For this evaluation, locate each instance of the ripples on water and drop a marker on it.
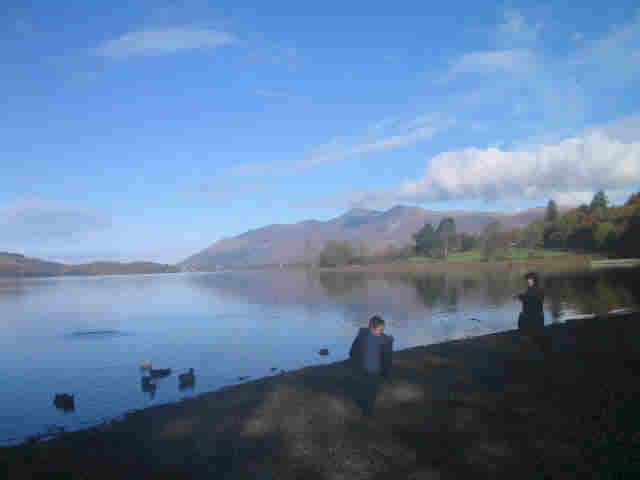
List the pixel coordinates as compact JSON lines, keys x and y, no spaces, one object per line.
{"x":89,"y":336}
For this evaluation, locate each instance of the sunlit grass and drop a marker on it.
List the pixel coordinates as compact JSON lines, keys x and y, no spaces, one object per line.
{"x":477,"y":255}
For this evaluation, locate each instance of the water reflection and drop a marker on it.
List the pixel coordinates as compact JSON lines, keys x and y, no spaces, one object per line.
{"x":596,"y":293}
{"x":401,"y":295}
{"x":338,"y":284}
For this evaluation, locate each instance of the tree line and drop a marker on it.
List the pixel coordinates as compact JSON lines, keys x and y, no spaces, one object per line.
{"x":593,"y":227}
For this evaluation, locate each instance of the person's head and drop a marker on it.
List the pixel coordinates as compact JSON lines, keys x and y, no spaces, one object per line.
{"x":532,"y":278}
{"x":376,"y":325}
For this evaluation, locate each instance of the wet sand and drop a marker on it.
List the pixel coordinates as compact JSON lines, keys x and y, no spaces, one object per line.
{"x":489,"y":407}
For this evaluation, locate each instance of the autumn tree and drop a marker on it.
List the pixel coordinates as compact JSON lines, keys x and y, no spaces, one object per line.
{"x":533,"y":234}
{"x":446,"y":229}
{"x":467,"y":242}
{"x":551,"y":215}
{"x":628,"y":245}
{"x":495,"y":242}
{"x":336,"y":253}
{"x":599,"y":202}
{"x":426,"y":239}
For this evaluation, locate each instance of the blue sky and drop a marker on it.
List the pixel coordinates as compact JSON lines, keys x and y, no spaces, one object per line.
{"x":149,"y":130}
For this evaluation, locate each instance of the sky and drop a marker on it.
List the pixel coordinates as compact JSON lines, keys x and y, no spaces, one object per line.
{"x":149,"y":130}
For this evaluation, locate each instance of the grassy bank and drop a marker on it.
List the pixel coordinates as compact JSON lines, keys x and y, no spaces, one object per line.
{"x":488,"y":407}
{"x":544,"y":261}
{"x":510,"y":255}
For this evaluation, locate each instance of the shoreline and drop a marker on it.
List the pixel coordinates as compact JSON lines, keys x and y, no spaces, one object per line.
{"x":473,"y":405}
{"x":558,"y":265}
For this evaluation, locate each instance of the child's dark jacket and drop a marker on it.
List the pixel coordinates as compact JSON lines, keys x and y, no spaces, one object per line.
{"x":359,"y":344}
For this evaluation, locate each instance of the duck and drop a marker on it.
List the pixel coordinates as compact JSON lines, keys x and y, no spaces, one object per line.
{"x":187,"y":378}
{"x":149,"y":386}
{"x":159,"y":372}
{"x":64,"y":401}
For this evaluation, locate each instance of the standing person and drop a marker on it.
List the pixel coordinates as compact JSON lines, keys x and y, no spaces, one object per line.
{"x":370,"y":355}
{"x":531,"y":319}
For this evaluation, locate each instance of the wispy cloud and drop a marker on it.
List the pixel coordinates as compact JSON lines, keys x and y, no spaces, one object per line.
{"x":218,"y":193}
{"x":384,"y":135}
{"x":39,"y":221}
{"x":267,"y":93}
{"x":517,"y":30}
{"x":513,"y":60}
{"x":618,"y":51}
{"x":164,"y":41}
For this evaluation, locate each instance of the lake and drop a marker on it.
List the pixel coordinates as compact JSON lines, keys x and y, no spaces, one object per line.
{"x":89,"y":335}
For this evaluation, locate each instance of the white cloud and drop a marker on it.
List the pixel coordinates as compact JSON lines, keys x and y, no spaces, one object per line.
{"x":38,"y":221}
{"x":384,"y":135}
{"x":163,"y":42}
{"x":222,"y":193}
{"x":613,"y":59}
{"x":517,"y":60}
{"x":516,"y":29}
{"x":513,"y":52}
{"x":573,"y":198}
{"x":625,"y":129}
{"x":573,"y":165}
{"x":263,"y":92}
{"x":380,"y":145}
{"x":570,"y":171}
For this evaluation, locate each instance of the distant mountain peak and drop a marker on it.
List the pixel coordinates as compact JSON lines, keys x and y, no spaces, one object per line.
{"x":396,"y":209}
{"x":359,"y":212}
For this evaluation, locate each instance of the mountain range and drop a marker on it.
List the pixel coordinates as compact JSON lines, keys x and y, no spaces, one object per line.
{"x":302,"y":242}
{"x":17,"y":265}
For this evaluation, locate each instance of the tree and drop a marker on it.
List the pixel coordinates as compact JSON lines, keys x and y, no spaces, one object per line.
{"x":551,"y":214}
{"x":447,"y":225}
{"x":582,"y":238}
{"x":554,"y":240}
{"x":628,"y":244}
{"x":336,"y":253}
{"x":533,"y":234}
{"x":446,"y":229}
{"x":426,"y":239}
{"x":605,"y":235}
{"x":552,"y":237}
{"x":599,"y":202}
{"x":467,"y":242}
{"x":495,"y":242}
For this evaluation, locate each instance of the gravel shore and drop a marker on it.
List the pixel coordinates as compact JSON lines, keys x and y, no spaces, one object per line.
{"x":496,"y":406}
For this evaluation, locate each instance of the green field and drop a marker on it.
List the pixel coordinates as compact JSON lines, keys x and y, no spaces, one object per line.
{"x":476,"y":255}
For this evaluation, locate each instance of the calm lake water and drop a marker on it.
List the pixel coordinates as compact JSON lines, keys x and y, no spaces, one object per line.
{"x":89,"y":335}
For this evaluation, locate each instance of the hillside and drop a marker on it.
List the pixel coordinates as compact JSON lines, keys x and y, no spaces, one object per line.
{"x":303,"y":241}
{"x":17,"y":265}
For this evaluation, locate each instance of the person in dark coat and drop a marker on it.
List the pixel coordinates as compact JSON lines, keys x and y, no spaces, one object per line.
{"x":370,"y":356}
{"x":531,"y":319}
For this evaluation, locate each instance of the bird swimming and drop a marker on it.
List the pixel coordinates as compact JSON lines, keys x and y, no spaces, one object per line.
{"x":188,"y":378}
